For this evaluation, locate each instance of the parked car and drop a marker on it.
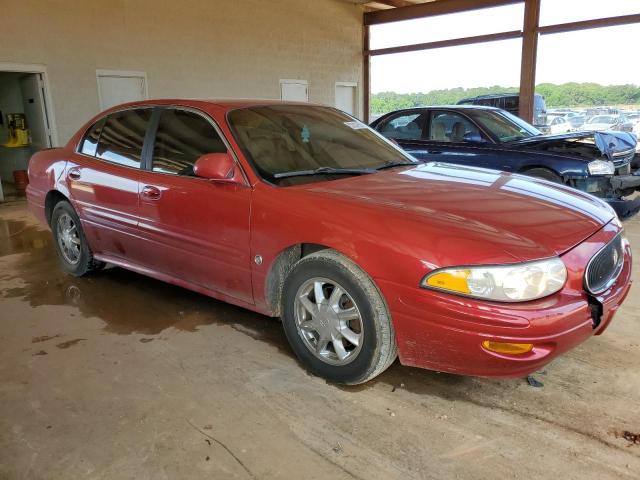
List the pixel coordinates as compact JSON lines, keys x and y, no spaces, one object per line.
{"x":593,"y":111}
{"x":608,"y":122}
{"x":303,"y":212}
{"x":558,"y":124}
{"x":575,"y":119}
{"x":597,"y":163}
{"x":511,"y":103}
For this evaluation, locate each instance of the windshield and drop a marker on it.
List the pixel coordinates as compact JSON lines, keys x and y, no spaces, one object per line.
{"x":278,"y":139}
{"x":602,"y":119}
{"x":504,"y":126}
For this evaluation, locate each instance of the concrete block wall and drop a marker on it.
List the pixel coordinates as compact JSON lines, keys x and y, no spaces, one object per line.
{"x":188,"y":48}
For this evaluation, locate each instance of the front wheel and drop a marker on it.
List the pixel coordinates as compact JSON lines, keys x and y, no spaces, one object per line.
{"x":336,"y":320}
{"x":544,"y":173}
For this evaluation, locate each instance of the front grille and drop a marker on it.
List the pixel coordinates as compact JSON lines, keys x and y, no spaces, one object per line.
{"x":605,"y":266}
{"x":624,"y":170}
{"x":622,"y":158}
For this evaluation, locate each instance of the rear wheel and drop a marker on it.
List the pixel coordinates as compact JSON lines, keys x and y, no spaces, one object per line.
{"x":336,"y":320}
{"x":71,"y":245}
{"x":545,"y":174}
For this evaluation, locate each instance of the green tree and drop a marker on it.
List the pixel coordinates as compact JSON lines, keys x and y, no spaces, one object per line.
{"x":565,"y":95}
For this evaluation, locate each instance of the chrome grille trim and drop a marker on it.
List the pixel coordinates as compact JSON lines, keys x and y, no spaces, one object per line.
{"x":605,"y":275}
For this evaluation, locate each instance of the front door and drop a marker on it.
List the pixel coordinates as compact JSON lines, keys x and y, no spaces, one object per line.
{"x":196,"y":230}
{"x":452,"y":138}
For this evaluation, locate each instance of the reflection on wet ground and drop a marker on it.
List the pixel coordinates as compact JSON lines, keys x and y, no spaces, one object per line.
{"x":127,"y":302}
{"x":131,"y":303}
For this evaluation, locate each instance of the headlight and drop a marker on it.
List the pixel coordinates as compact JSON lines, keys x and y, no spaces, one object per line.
{"x":508,"y":283}
{"x":601,"y":167}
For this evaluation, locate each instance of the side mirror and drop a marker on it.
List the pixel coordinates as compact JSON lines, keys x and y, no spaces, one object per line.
{"x":216,"y":166}
{"x":473,"y":137}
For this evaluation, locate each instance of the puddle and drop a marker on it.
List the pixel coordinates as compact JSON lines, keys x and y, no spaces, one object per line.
{"x":127,"y":302}
{"x":17,"y":237}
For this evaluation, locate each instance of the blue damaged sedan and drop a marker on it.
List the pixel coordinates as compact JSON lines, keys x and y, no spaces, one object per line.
{"x":599,"y":163}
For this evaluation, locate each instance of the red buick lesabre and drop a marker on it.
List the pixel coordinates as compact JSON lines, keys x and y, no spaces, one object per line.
{"x":303,"y":212}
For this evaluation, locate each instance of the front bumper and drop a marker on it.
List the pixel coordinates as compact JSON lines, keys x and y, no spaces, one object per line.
{"x":624,"y":182}
{"x":444,"y":332}
{"x":612,"y":189}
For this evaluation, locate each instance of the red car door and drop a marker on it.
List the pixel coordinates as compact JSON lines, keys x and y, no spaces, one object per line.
{"x":103,"y":180}
{"x":196,"y":230}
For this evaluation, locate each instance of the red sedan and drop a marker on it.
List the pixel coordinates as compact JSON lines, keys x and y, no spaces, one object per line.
{"x":303,"y":212}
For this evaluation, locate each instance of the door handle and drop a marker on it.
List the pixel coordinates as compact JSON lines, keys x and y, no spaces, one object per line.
{"x":151,"y":193}
{"x":435,"y":151}
{"x":73,"y":174}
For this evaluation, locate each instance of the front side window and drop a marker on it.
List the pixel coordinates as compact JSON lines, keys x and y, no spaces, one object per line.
{"x":504,"y":126}
{"x":404,"y":127}
{"x":452,"y":127}
{"x":282,"y":139}
{"x":122,"y":137}
{"x":183,"y":137}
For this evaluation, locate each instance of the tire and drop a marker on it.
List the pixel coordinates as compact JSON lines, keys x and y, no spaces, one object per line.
{"x":544,"y":174}
{"x":71,"y":244}
{"x":368,"y":341}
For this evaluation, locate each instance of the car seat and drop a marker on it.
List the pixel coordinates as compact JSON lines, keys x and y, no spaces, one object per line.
{"x":457,"y":132}
{"x":438,"y":132}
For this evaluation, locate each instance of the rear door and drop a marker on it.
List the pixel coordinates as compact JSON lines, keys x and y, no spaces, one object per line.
{"x":103,"y":177}
{"x":196,"y":230}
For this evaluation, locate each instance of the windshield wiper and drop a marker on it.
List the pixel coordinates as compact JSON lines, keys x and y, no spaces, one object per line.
{"x":398,"y":163}
{"x":325,"y":171}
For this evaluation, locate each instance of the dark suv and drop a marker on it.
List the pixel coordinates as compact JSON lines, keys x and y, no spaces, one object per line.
{"x":511,"y":103}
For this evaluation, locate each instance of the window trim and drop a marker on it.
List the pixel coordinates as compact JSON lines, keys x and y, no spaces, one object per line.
{"x":402,"y":113}
{"x":153,"y":129}
{"x":104,"y":117}
{"x":149,"y":140}
{"x":462,"y":114}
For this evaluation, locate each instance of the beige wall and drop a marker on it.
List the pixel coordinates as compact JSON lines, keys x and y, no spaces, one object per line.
{"x":188,"y":48}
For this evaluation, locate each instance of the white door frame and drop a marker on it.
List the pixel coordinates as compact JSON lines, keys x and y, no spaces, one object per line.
{"x":123,"y":74}
{"x":357,"y":98}
{"x":48,"y":102}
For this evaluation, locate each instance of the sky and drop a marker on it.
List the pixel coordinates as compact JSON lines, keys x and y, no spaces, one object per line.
{"x":604,"y":55}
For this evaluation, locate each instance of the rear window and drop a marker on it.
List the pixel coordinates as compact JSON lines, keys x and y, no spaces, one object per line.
{"x":122,"y":137}
{"x":90,"y":141}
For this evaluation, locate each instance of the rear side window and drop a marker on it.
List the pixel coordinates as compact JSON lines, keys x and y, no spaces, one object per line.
{"x":90,"y":141}
{"x":183,"y":137}
{"x":404,"y":127}
{"x":511,"y":103}
{"x":122,"y":137}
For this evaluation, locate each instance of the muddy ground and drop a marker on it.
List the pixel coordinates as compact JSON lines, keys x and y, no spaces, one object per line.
{"x":119,"y":376}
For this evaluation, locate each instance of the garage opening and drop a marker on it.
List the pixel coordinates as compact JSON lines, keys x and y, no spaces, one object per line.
{"x":24,"y":127}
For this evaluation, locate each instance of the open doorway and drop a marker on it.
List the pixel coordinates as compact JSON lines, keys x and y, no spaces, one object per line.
{"x":25,"y":123}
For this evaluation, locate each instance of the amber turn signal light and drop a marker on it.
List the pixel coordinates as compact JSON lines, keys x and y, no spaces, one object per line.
{"x":510,"y":348}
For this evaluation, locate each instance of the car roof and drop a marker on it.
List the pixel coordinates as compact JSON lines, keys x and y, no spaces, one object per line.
{"x":446,"y":107}
{"x":227,"y":104}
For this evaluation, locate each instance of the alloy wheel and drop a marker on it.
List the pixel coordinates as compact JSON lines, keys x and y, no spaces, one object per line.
{"x":328,"y":321}
{"x":68,"y":238}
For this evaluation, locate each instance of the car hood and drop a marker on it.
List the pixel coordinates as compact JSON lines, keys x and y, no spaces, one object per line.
{"x":610,"y":144}
{"x":499,"y":217}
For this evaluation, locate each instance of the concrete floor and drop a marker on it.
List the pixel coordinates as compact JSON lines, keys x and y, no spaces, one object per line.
{"x":119,"y":376}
